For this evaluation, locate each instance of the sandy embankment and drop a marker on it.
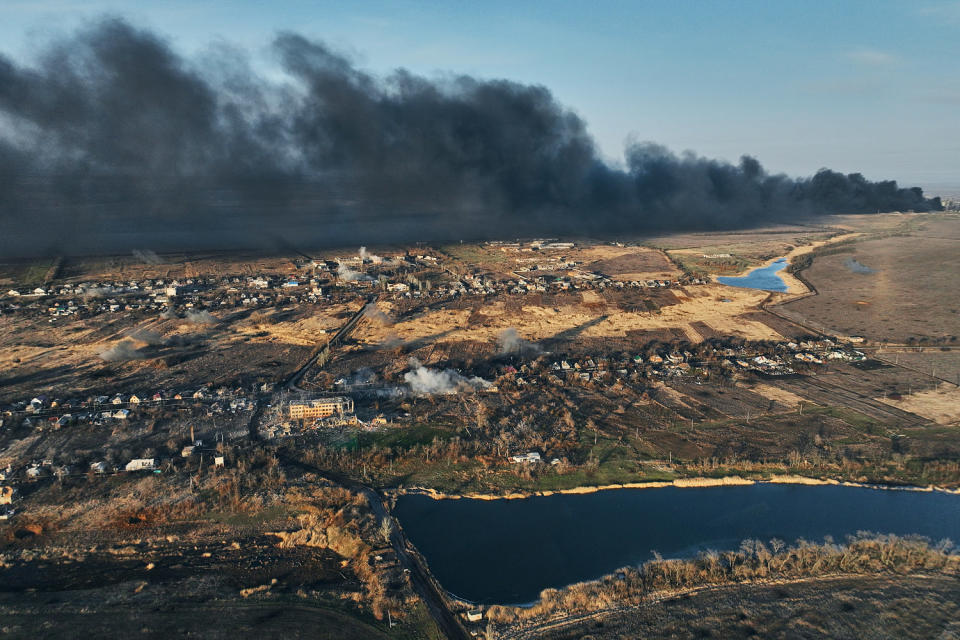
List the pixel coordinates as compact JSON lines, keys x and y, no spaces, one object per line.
{"x":685,"y":483}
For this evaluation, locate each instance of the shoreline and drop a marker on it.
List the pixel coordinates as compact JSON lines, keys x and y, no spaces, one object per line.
{"x":795,"y":286}
{"x":681,"y":483}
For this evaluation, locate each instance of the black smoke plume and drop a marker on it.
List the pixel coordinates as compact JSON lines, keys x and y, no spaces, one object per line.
{"x":111,"y":140}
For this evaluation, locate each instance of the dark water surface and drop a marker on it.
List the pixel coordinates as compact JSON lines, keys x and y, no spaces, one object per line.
{"x":507,"y":551}
{"x":765,"y":278}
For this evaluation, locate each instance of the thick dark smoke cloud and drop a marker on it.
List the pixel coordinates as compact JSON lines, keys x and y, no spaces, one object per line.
{"x":110,"y":141}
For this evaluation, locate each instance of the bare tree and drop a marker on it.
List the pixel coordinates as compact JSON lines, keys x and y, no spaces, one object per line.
{"x":386,"y":530}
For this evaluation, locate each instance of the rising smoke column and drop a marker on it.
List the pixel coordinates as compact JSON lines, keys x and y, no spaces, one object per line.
{"x":509,"y":342}
{"x":111,"y":140}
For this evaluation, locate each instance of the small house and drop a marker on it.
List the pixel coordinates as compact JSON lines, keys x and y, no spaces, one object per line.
{"x":7,"y":495}
{"x":522,"y":458}
{"x":141,"y":464}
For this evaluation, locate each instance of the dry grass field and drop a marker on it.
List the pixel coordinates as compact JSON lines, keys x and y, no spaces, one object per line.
{"x":904,"y":288}
{"x":731,"y":253}
{"x":943,"y":363}
{"x":65,"y":358}
{"x":693,"y":311}
{"x":939,"y":405}
{"x":173,"y":266}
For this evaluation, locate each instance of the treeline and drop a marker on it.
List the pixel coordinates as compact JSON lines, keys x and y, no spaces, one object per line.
{"x":863,"y":554}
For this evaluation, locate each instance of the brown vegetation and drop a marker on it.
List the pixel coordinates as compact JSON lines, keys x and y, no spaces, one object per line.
{"x":755,"y":561}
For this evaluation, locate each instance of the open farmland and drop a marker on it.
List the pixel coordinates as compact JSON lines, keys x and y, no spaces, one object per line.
{"x":79,"y":356}
{"x":888,"y":290}
{"x":941,"y":363}
{"x":583,"y":316}
{"x":142,"y":265}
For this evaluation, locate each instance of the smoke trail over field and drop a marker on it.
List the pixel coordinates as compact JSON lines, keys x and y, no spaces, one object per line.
{"x":374,"y":313}
{"x":855,"y":266}
{"x":200,"y":317}
{"x":147,"y":256}
{"x":110,"y":139}
{"x":121,"y":351}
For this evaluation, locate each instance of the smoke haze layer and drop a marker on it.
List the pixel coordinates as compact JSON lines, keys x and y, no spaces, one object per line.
{"x":111,"y":140}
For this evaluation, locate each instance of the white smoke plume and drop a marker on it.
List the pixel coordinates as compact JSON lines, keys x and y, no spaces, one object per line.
{"x":348,"y":274}
{"x":424,"y":381}
{"x":147,"y":257}
{"x":510,"y":343}
{"x":392,"y":341}
{"x":366,"y":255}
{"x":374,"y":313}
{"x":200,"y":317}
{"x":97,"y":292}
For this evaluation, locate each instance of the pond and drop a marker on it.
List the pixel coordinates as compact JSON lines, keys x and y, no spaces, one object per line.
{"x":764,"y":278}
{"x":507,"y":551}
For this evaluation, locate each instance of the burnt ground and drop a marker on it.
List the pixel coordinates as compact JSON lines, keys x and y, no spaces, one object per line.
{"x":188,"y":585}
{"x":848,"y":608}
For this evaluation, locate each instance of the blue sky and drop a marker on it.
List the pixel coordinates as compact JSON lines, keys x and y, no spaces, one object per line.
{"x":856,"y":86}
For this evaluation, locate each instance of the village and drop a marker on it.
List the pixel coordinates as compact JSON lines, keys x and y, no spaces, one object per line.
{"x":314,"y":281}
{"x":228,"y":415}
{"x":209,"y":392}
